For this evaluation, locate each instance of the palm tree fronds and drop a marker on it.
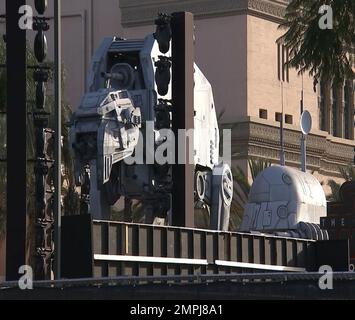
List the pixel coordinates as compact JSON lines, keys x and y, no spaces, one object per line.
{"x":242,"y":188}
{"x":326,"y":54}
{"x":348,"y":174}
{"x":335,"y":187}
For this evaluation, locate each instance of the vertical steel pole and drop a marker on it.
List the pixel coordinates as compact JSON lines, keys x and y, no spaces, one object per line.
{"x":303,"y":138}
{"x":282,"y":145}
{"x":16,"y":141}
{"x":183,"y":116}
{"x":303,"y":153}
{"x":58,"y":137}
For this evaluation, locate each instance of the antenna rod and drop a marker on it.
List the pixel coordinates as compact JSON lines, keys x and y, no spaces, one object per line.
{"x":303,"y":153}
{"x":282,"y":150}
{"x":303,"y":137}
{"x":302,"y":96}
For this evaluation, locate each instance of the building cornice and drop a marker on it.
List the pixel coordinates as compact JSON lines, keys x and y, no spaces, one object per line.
{"x":143,"y":12}
{"x":253,"y":137}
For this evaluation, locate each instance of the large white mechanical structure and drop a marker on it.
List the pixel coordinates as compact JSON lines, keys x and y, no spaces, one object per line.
{"x":114,"y":118}
{"x":286,"y":201}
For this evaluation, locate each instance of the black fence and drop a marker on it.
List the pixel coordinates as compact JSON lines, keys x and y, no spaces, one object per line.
{"x":109,"y":249}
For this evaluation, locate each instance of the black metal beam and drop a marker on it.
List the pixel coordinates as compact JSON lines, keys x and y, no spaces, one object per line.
{"x":58,"y":135}
{"x":16,"y":140}
{"x":183,"y":115}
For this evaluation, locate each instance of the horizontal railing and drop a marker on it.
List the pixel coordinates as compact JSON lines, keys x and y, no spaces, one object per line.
{"x":147,"y":250}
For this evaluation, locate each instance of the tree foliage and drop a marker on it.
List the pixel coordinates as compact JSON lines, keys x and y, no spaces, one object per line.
{"x":242,"y":188}
{"x":327,"y":54}
{"x":348,"y":174}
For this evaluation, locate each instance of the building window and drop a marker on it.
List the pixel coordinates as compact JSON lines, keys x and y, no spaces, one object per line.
{"x":346,"y":111}
{"x":288,"y":119}
{"x":278,"y":116}
{"x":279,"y":61}
{"x":348,"y":118}
{"x":336,"y":109}
{"x":283,"y":72}
{"x":322,"y":107}
{"x":262,"y":113}
{"x":334,"y":112}
{"x":287,"y":60}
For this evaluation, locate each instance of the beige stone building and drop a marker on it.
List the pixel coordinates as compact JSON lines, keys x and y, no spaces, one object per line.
{"x":236,"y":48}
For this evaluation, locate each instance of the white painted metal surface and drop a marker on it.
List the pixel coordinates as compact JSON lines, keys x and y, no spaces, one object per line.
{"x":280,"y":198}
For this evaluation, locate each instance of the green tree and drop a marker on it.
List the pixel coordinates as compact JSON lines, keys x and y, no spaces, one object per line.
{"x":242,"y":189}
{"x":348,"y":174}
{"x":326,"y":53}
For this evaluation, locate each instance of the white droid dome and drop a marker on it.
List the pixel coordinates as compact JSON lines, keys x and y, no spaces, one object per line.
{"x":282,"y":197}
